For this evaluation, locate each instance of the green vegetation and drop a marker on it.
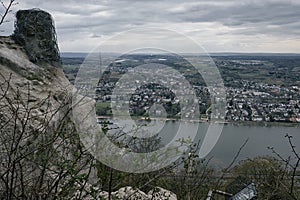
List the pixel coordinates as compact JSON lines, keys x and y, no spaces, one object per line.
{"x":103,"y":109}
{"x":35,"y":77}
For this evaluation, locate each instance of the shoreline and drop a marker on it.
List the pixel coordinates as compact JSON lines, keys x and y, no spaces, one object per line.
{"x":235,"y":123}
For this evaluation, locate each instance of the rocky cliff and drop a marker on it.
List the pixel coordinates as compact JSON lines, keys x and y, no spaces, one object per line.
{"x":41,"y":154}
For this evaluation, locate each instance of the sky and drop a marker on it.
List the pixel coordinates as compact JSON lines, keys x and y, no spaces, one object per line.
{"x":269,"y":26}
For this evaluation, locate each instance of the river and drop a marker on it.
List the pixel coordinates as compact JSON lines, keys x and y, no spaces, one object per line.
{"x":233,"y":136}
{"x":259,"y":139}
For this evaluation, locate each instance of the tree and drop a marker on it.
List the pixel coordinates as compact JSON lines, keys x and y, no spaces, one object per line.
{"x":292,"y":165}
{"x":267,"y":173}
{"x":189,"y":177}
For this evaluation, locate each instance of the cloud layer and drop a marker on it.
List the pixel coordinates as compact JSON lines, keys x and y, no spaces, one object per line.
{"x":240,"y":26}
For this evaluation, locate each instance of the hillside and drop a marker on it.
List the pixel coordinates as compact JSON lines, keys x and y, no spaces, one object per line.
{"x":41,"y":154}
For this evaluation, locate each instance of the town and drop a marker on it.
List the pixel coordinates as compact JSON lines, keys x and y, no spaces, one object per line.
{"x":258,"y":88}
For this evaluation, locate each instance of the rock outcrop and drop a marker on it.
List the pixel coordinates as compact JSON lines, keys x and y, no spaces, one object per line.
{"x":130,"y":193}
{"x":35,"y":31}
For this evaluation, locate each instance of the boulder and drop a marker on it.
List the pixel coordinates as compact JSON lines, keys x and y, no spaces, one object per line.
{"x":130,"y":194}
{"x":159,"y":193}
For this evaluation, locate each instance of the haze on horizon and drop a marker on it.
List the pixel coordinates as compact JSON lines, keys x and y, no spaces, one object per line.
{"x":252,"y":26}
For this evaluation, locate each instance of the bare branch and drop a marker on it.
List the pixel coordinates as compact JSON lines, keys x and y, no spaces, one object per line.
{"x":232,"y":162}
{"x":7,"y":10}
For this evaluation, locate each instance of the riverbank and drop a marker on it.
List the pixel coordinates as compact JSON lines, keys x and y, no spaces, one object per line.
{"x":237,"y":123}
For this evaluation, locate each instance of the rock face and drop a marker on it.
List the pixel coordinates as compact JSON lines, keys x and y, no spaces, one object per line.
{"x":40,"y":152}
{"x":41,"y":156}
{"x":32,"y":96}
{"x":34,"y":29}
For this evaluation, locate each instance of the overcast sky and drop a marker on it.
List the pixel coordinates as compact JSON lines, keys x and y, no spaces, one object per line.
{"x":219,"y":26}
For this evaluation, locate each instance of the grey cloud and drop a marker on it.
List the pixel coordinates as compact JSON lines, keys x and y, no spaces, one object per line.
{"x":107,"y":17}
{"x":255,"y":16}
{"x":127,"y":12}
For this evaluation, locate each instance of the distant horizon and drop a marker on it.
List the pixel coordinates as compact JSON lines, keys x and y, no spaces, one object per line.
{"x":209,"y":53}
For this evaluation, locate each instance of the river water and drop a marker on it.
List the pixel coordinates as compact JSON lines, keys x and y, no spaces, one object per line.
{"x":232,"y":138}
{"x":259,"y":139}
